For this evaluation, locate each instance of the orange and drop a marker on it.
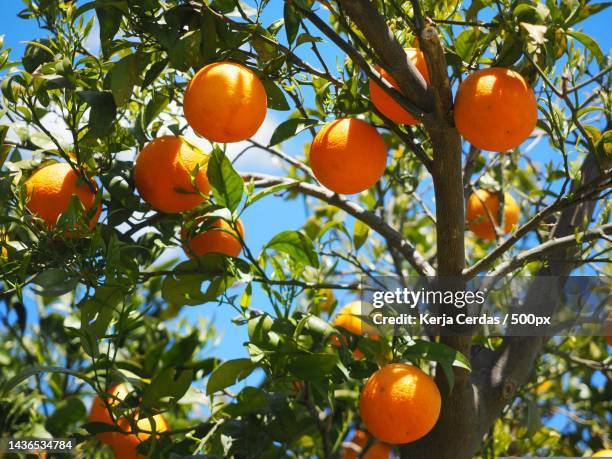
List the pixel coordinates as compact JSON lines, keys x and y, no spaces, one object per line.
{"x":99,"y":411}
{"x":384,"y":102}
{"x":348,"y":156}
{"x":218,"y":237}
{"x":163,"y":174}
{"x":495,"y":109}
{"x":399,"y":403}
{"x":50,"y":190}
{"x":124,"y":444}
{"x":376,"y":450}
{"x":483,"y":208}
{"x":603,"y":453}
{"x":349,"y":319}
{"x":225,"y":102}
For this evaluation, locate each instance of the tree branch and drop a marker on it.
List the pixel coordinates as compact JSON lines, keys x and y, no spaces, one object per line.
{"x":588,"y":191}
{"x":392,"y":236}
{"x":390,"y":52}
{"x":551,"y":245}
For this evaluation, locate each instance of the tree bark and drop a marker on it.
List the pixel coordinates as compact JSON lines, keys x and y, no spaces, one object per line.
{"x":478,"y":398}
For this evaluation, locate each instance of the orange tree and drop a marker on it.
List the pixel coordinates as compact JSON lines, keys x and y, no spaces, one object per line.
{"x":90,"y":302}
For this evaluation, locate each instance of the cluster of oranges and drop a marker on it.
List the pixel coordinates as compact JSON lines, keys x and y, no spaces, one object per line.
{"x":224,"y":102}
{"x":495,"y":109}
{"x":124,"y":439}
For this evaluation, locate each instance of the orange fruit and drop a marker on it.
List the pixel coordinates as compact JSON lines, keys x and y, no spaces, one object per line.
{"x":50,"y":190}
{"x":376,"y":450}
{"x":124,"y":444}
{"x":483,"y":206}
{"x":163,"y":174}
{"x":225,"y":102}
{"x":603,"y":453}
{"x":399,"y":403}
{"x":99,"y":411}
{"x":218,"y":237}
{"x":349,"y":319}
{"x":495,"y":109}
{"x":348,"y":155}
{"x":384,"y":102}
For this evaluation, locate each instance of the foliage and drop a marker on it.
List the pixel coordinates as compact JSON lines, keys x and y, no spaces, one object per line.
{"x":111,"y":306}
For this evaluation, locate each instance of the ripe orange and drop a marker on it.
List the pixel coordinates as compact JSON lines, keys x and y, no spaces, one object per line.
{"x":225,"y":102}
{"x":124,"y":444}
{"x":483,"y":206}
{"x":399,"y":403}
{"x":349,"y":319}
{"x":99,"y":411}
{"x":348,"y":155}
{"x":163,"y":174}
{"x":218,"y":237}
{"x":495,"y":109}
{"x":50,"y":189}
{"x":385,"y":103}
{"x":376,"y":450}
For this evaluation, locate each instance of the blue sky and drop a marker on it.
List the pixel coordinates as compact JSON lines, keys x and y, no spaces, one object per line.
{"x":271,"y":215}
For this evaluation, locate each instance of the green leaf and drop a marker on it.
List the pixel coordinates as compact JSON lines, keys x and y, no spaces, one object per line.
{"x":228,"y":374}
{"x":123,"y":77}
{"x":276,"y":97}
{"x":184,"y":285}
{"x":153,"y":72}
{"x":54,"y":282}
{"x":292,"y":22}
{"x":249,"y":400}
{"x":307,"y":38}
{"x":360,"y":234}
{"x":590,"y":44}
{"x":209,"y":35}
{"x":312,"y":367}
{"x":445,"y":355}
{"x":36,"y":54}
{"x":289,"y":128}
{"x":156,"y":105}
{"x":467,"y":43}
{"x":267,"y":191}
{"x":96,"y":314}
{"x":297,"y":245}
{"x":171,"y":382}
{"x":181,"y":352}
{"x":109,"y":18}
{"x":103,"y":111}
{"x":28,"y":372}
{"x":67,"y":412}
{"x":227,"y":185}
